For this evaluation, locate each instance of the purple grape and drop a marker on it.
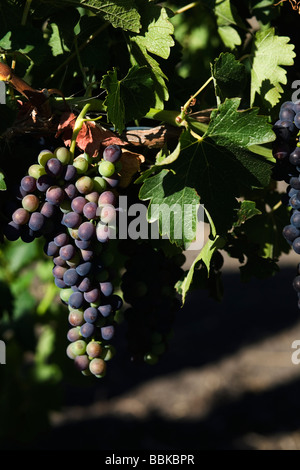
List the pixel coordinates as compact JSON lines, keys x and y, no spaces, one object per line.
{"x":67,"y":252}
{"x":107,"y":332}
{"x":59,"y":261}
{"x":92,"y":296}
{"x":87,"y":255}
{"x":20,"y":216}
{"x":286,"y":114}
{"x":54,"y":167}
{"x":87,"y":330}
{"x":112,"y":153}
{"x":85,"y":285}
{"x":50,"y":249}
{"x":76,"y":318}
{"x":105,"y":310}
{"x":82,"y":362}
{"x":71,"y":191}
{"x":107,"y":197}
{"x":90,"y":210}
{"x":61,"y":239}
{"x":86,"y":231}
{"x":82,"y":244}
{"x":74,"y":334}
{"x":59,"y":271}
{"x":48,"y":210}
{"x":71,"y":277}
{"x":91,"y":314}
{"x":28,"y":184}
{"x":78,"y":204}
{"x":55,"y":195}
{"x":297,"y":120}
{"x":44,"y":182}
{"x":76,"y":300}
{"x":106,"y":288}
{"x":69,"y":173}
{"x":12,"y":231}
{"x":59,"y":283}
{"x":294,"y":157}
{"x":36,"y":221}
{"x":71,"y":220}
{"x":84,"y":268}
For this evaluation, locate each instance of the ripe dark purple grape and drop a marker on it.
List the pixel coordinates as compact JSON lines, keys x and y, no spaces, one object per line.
{"x":76,"y":300}
{"x":87,"y":330}
{"x":105,"y":310}
{"x":295,"y":219}
{"x":28,"y":184}
{"x":36,"y":221}
{"x":74,"y":334}
{"x":44,"y":182}
{"x":78,"y":204}
{"x":67,"y":252}
{"x":85,"y":284}
{"x":59,"y":271}
{"x":112,"y":153}
{"x":107,"y":332}
{"x":90,"y":210}
{"x":21,"y":216}
{"x":82,"y":244}
{"x":69,"y":173}
{"x":12,"y":231}
{"x":297,"y":120}
{"x":86,"y":231}
{"x":286,"y":114}
{"x":48,"y":210}
{"x":72,"y":220}
{"x":294,"y":157}
{"x":290,"y":232}
{"x":50,"y":249}
{"x":92,"y":295}
{"x":106,"y":288}
{"x":71,"y":191}
{"x":83,"y":269}
{"x":54,"y":167}
{"x":296,"y":245}
{"x":296,"y":283}
{"x":61,"y":239}
{"x":91,"y":314}
{"x":55,"y":195}
{"x":71,"y":277}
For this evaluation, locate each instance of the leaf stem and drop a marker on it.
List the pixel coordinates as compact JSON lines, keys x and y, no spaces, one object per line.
{"x":25,"y":12}
{"x":77,"y":127}
{"x":186,"y":7}
{"x":188,"y":103}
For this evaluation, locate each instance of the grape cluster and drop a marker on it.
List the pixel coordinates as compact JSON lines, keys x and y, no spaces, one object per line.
{"x":286,"y":150}
{"x":72,"y":204}
{"x":152,"y":298}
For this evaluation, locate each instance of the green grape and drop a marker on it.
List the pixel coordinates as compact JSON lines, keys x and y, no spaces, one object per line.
{"x":36,"y":171}
{"x":97,"y":367}
{"x":44,"y":156}
{"x":78,"y":347}
{"x":63,"y":155}
{"x":94,"y":349}
{"x":81,"y":165}
{"x":108,"y":353}
{"x":100,"y":184}
{"x":84,"y":185}
{"x":106,"y":168}
{"x":65,"y":294}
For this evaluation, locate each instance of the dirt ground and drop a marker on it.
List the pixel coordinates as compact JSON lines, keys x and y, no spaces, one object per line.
{"x":227,"y":381}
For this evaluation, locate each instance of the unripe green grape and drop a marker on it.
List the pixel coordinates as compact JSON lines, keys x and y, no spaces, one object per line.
{"x":30,"y":202}
{"x":100,"y":184}
{"x":73,"y":233}
{"x":106,"y":168}
{"x":65,"y":294}
{"x":84,"y":184}
{"x":108,"y":352}
{"x":70,"y":353}
{"x":150,"y":358}
{"x":78,"y":347}
{"x":81,"y":165}
{"x":44,"y":156}
{"x":36,"y":171}
{"x":63,"y":155}
{"x":92,"y":197}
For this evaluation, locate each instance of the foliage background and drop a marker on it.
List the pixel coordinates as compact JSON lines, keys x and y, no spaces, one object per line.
{"x":38,"y":378}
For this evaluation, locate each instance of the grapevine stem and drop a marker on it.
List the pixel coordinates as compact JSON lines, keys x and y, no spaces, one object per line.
{"x":25,"y":12}
{"x":187,"y":104}
{"x":186,"y":7}
{"x":77,"y":127}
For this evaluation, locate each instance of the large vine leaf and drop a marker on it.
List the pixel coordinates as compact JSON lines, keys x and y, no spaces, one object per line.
{"x":120,"y":13}
{"x":216,"y":167}
{"x":270,"y":53}
{"x":129,"y":98}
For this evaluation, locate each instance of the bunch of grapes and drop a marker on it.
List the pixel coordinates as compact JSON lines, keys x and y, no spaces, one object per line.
{"x":72,"y":204}
{"x":152,"y":298}
{"x":286,"y":150}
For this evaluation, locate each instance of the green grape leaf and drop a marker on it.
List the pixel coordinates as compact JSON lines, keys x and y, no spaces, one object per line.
{"x":270,"y":53}
{"x":129,"y":98}
{"x":157,"y":31}
{"x":204,"y":255}
{"x":227,"y":17}
{"x":56,"y":42}
{"x":215,"y":168}
{"x":229,"y":76}
{"x":246,"y":211}
{"x":120,"y":13}
{"x":2,"y":182}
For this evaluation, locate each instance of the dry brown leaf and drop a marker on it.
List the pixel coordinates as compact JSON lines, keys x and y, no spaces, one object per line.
{"x":131,"y":163}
